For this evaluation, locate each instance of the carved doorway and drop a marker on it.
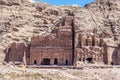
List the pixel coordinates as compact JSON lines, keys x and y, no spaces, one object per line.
{"x":46,"y":61}
{"x":35,"y":62}
{"x":55,"y":61}
{"x":66,"y":62}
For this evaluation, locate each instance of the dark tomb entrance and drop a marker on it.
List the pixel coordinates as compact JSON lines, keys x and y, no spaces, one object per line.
{"x":66,"y":62}
{"x":111,"y":63}
{"x":46,"y":61}
{"x":89,"y":59}
{"x":35,"y":62}
{"x":83,"y":59}
{"x":80,"y":59}
{"x":55,"y":61}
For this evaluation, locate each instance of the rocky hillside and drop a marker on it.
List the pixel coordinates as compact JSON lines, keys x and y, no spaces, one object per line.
{"x":100,"y":18}
{"x":21,"y":19}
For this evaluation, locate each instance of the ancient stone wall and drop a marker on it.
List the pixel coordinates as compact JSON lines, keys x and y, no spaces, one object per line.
{"x":15,"y":52}
{"x":51,"y":54}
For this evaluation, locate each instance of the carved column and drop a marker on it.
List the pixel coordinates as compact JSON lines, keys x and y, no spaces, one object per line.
{"x":24,"y":58}
{"x":89,"y":41}
{"x":84,"y":40}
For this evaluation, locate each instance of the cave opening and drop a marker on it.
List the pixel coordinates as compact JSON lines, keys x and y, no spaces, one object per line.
{"x":89,"y":59}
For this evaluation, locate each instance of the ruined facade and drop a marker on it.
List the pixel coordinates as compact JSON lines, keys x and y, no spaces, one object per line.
{"x":52,"y":49}
{"x":15,"y":52}
{"x":88,"y":48}
{"x":65,"y":46}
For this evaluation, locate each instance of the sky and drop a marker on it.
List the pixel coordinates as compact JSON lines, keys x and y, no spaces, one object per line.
{"x":67,"y":2}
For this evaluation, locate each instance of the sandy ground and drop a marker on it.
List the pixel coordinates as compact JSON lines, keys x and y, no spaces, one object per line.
{"x":21,"y":73}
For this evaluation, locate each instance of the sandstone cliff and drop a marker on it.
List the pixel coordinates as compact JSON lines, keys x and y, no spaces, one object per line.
{"x":19,"y":20}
